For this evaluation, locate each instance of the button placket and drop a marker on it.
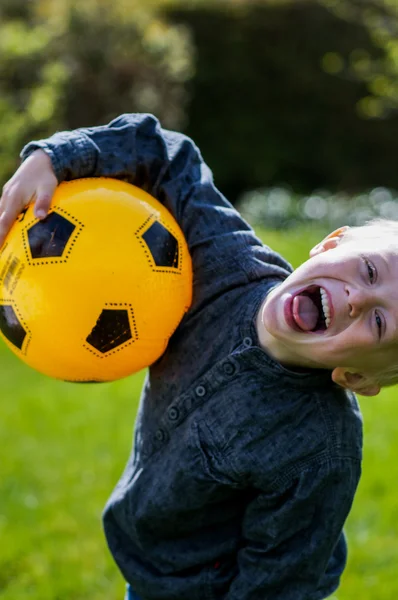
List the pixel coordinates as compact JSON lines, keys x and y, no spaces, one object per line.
{"x":247,"y":341}
{"x":160,"y":435}
{"x":229,"y":368}
{"x":200,"y":391}
{"x":173,"y":413}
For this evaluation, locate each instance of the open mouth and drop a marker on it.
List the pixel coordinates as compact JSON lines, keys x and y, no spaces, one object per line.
{"x":311,"y":310}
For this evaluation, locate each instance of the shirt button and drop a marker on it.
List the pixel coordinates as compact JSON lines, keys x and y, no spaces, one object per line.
{"x":173,"y":413}
{"x":247,"y":342}
{"x":160,"y":435}
{"x":228,"y":368}
{"x":200,"y":390}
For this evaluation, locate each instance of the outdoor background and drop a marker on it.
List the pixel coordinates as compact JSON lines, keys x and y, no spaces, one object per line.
{"x":294,"y":105}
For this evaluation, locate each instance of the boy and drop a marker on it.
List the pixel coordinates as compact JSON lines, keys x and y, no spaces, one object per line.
{"x":247,"y":447}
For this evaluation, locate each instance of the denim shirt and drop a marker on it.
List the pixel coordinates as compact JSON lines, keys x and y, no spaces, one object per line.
{"x":242,"y":472}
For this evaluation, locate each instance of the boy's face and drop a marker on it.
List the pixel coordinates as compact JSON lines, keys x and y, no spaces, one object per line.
{"x":338,"y":309}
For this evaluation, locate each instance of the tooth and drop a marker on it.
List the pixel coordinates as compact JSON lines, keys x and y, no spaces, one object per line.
{"x":325,"y":307}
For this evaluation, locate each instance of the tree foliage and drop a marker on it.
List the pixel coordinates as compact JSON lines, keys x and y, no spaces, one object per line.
{"x":296,"y":91}
{"x":380,"y":19}
{"x":69,"y":64}
{"x":283,"y":95}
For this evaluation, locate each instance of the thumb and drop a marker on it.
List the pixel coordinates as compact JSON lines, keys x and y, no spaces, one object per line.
{"x":44,"y":196}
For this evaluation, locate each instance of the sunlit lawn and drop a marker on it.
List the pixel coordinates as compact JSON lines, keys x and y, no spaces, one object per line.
{"x":64,"y":447}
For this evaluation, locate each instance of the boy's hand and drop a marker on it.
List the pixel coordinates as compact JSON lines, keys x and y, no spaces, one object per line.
{"x":34,"y":181}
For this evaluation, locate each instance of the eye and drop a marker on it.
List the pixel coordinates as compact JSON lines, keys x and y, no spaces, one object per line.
{"x":379,"y":324}
{"x":371,"y":270}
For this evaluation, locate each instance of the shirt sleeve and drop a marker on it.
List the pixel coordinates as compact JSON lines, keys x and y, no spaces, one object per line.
{"x":168,"y":165}
{"x":294,"y":547}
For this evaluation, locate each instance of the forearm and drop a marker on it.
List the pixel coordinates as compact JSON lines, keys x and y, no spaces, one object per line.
{"x":166,"y":164}
{"x":169,"y":166}
{"x":132,"y":147}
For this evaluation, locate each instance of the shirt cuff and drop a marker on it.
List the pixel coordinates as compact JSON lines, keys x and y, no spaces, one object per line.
{"x":72,"y":154}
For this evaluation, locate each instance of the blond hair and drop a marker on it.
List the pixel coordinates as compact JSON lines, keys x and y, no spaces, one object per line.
{"x":379,"y":228}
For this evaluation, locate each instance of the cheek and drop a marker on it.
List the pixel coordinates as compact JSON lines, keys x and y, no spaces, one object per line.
{"x":325,"y":265}
{"x":359,"y":355}
{"x":349,"y":348}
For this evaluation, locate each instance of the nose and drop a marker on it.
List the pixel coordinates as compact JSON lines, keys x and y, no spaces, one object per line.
{"x":359,"y":299}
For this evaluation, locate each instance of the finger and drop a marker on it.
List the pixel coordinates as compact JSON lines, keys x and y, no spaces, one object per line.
{"x":12,"y":200}
{"x":43,"y":200}
{"x":2,"y":205}
{"x":10,"y":209}
{"x":3,"y":200}
{"x":7,"y":220}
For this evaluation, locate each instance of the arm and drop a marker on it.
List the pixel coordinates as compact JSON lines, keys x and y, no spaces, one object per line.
{"x":169,"y":166}
{"x":135,"y":148}
{"x":294,"y":548}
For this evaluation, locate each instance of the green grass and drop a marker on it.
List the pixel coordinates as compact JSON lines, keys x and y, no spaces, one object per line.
{"x":64,"y":447}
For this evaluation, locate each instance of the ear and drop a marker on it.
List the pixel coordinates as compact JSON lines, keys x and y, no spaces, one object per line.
{"x":330,"y":241}
{"x":356,"y":382}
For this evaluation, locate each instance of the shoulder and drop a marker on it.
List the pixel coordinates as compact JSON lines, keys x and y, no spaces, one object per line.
{"x":268,"y":432}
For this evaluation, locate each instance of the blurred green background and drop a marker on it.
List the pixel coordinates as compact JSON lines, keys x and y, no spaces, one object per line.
{"x":294,"y":106}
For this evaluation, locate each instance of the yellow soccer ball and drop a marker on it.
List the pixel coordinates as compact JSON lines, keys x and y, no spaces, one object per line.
{"x":95,"y":290}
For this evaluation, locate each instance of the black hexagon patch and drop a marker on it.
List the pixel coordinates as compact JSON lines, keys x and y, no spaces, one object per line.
{"x":11,"y":326}
{"x":111,"y":330}
{"x":48,"y":238}
{"x":162,"y":245}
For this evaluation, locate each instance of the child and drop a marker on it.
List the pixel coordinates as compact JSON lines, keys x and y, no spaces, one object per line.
{"x":247,"y":447}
